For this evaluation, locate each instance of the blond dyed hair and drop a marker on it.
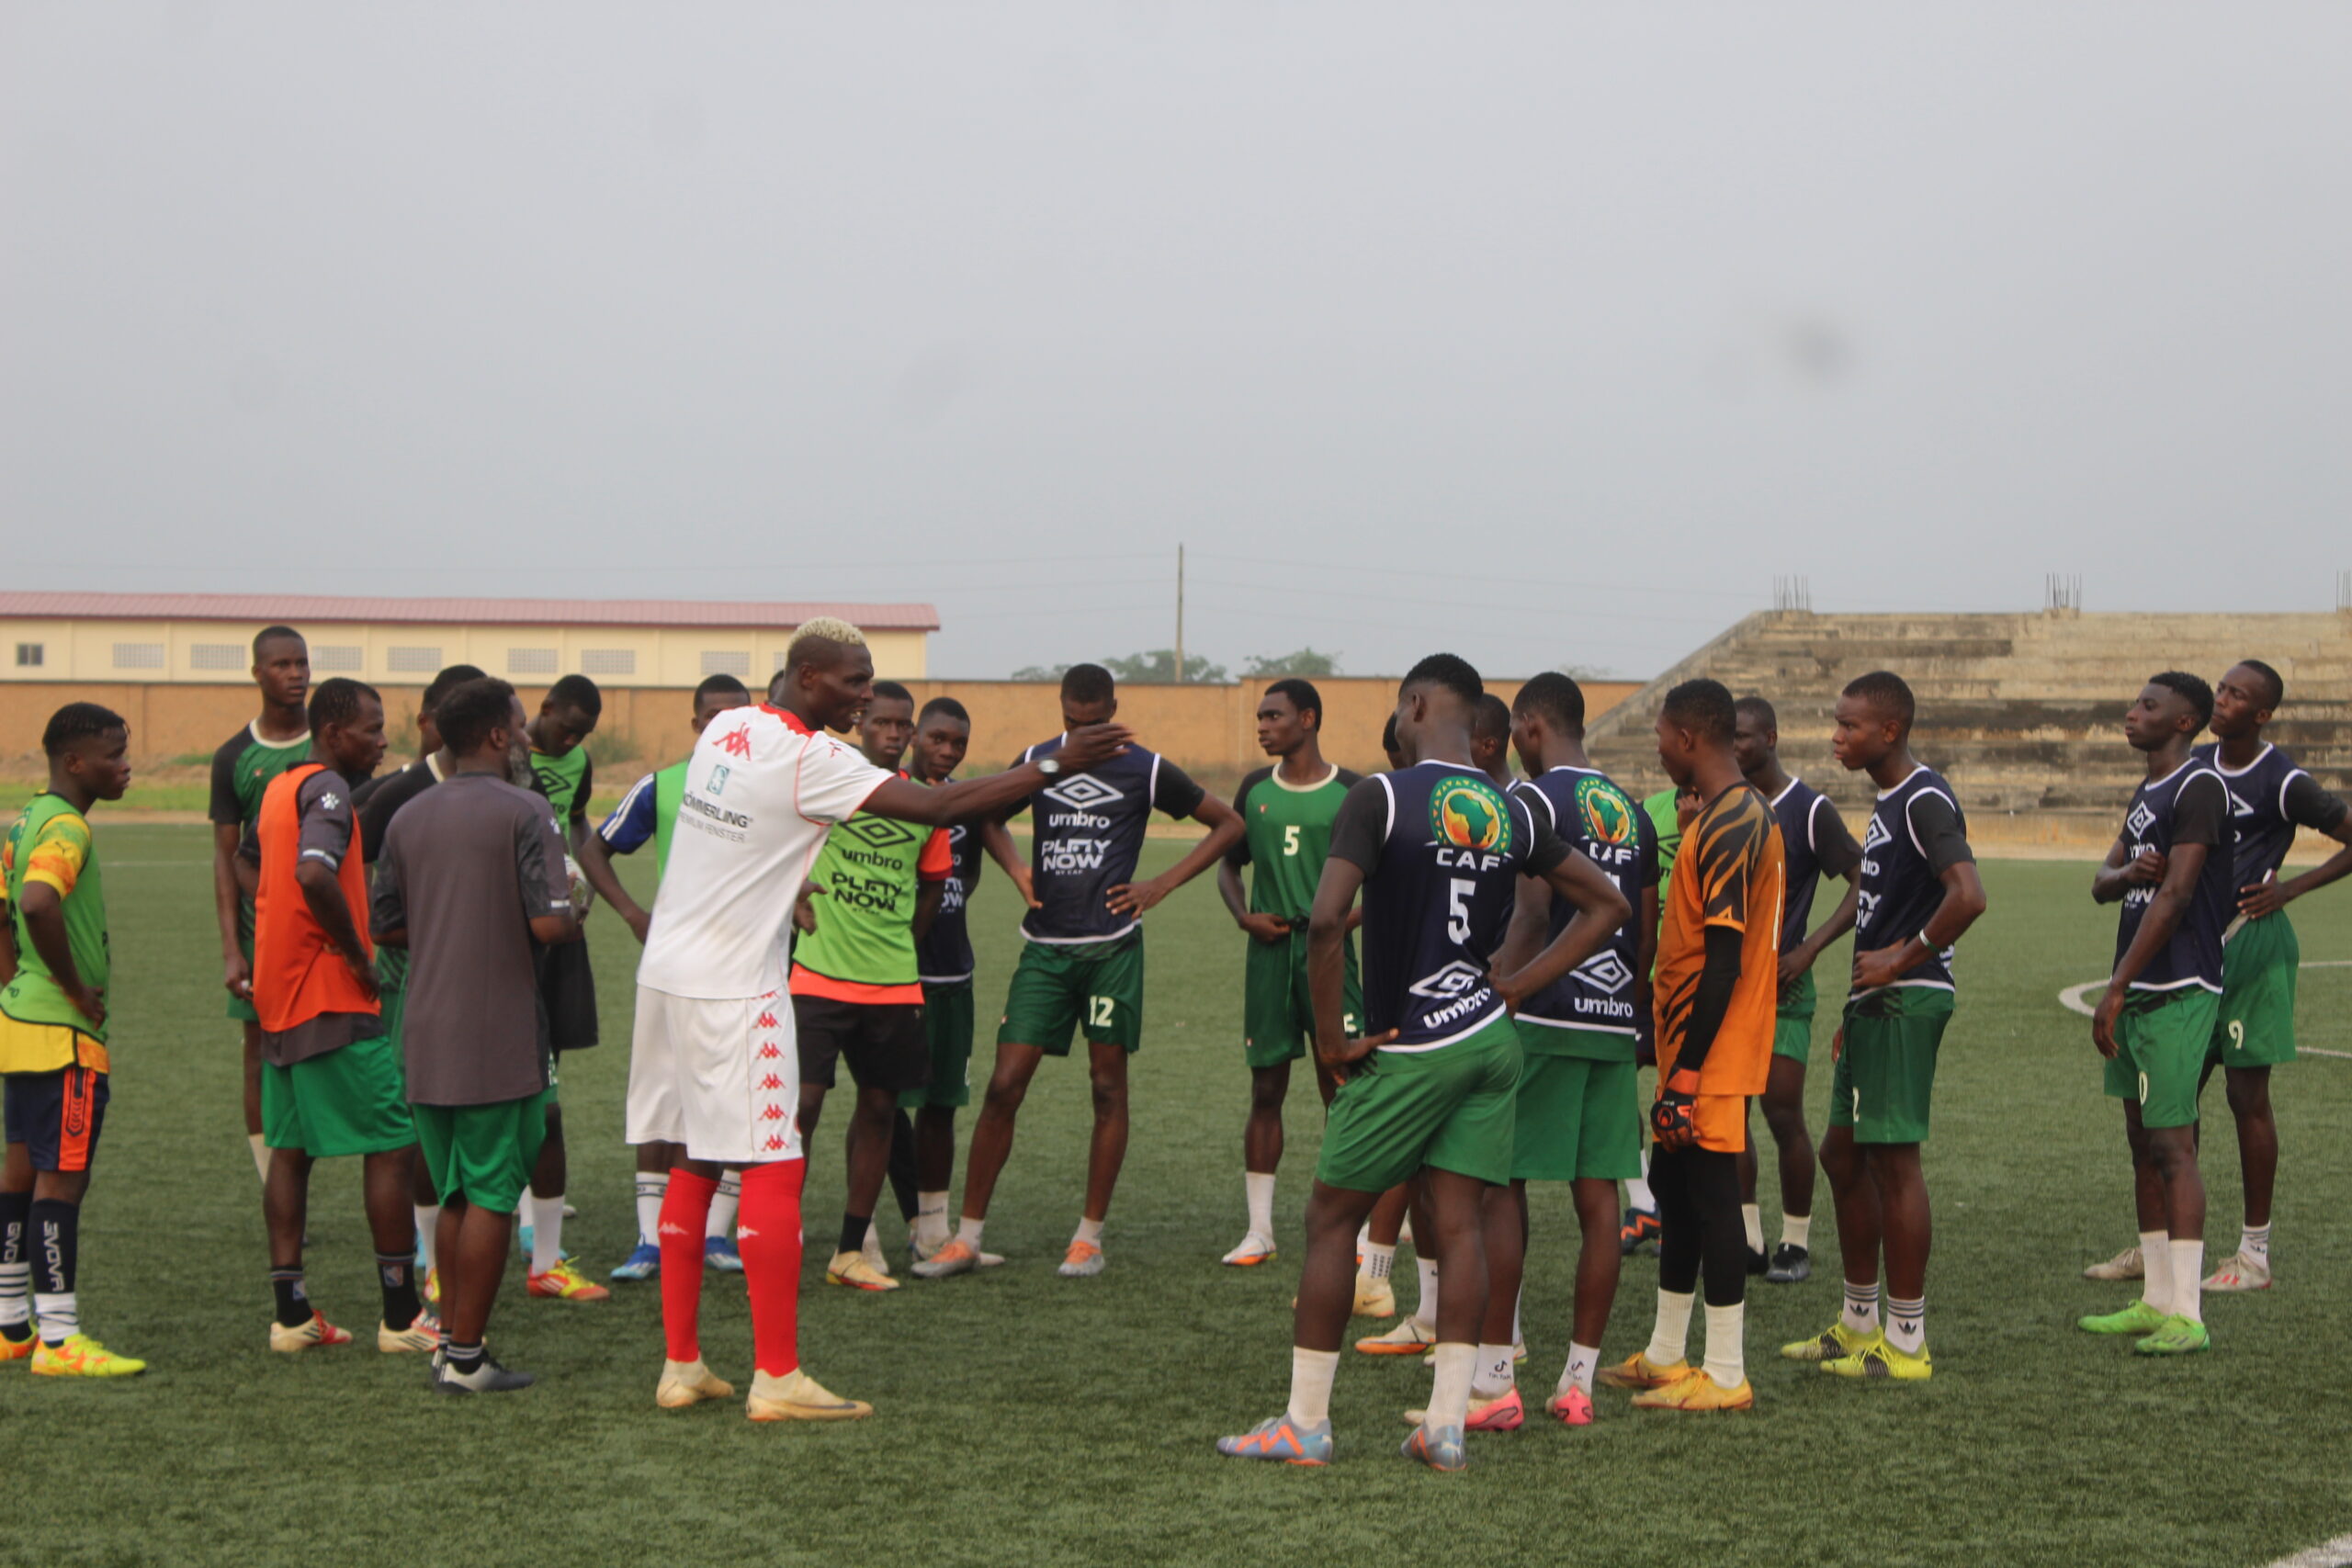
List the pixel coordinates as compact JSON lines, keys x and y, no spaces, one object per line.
{"x":830,"y":631}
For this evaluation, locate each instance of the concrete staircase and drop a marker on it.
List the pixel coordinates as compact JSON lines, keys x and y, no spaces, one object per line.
{"x":2022,"y":713}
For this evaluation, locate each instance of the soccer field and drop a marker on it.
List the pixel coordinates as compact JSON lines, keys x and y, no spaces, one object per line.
{"x":1021,"y":1416}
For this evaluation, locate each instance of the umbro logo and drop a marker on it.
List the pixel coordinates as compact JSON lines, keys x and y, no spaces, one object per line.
{"x":876,"y":833}
{"x":2238,"y":807}
{"x":1875,"y":835}
{"x":2140,"y":820}
{"x":330,"y":800}
{"x":1605,"y":973}
{"x":1455,"y":979}
{"x":1084,"y":793}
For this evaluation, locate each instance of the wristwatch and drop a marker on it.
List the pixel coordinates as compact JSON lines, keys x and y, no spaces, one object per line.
{"x":1050,"y":766}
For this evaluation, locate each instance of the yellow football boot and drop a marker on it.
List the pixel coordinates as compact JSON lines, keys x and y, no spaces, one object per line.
{"x":82,"y":1357}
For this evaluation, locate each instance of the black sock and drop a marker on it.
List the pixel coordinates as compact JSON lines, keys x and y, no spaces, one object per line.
{"x":854,"y":1231}
{"x":466,"y":1357}
{"x":55,"y":1237}
{"x":16,"y":1220}
{"x":396,"y":1273}
{"x":903,"y":1179}
{"x":293,"y":1303}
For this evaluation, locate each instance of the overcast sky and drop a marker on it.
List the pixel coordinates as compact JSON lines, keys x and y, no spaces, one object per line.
{"x":1549,"y":333}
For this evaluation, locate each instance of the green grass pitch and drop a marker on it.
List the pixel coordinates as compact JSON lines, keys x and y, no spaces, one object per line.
{"x":1025,"y":1417}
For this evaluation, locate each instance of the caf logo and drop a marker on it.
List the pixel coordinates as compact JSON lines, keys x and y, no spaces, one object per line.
{"x":1608,"y":815}
{"x":1468,"y":814}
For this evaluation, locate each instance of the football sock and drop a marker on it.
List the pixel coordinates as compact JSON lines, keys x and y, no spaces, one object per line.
{"x":1493,"y":1375}
{"x":651,"y":1186}
{"x":1425,"y":1313}
{"x":1379,"y":1262}
{"x":2155,"y":1263}
{"x":769,"y":1239}
{"x":396,"y":1275}
{"x":293,"y":1301}
{"x":723,"y":1204}
{"x":261,"y":1155}
{"x":465,"y":1360}
{"x":872,"y":1240}
{"x":1518,"y":1330}
{"x":901,"y":1168}
{"x":546,"y":1232}
{"x":15,"y":1271}
{"x":1751,"y":1218}
{"x":684,"y":1209}
{"x":931,"y":1218}
{"x":56,"y":1243}
{"x":428,"y":1224}
{"x":1672,"y":1334}
{"x":1089,"y":1231}
{"x":853,"y":1228}
{"x":1577,"y":1373}
{"x":2188,"y":1280}
{"x":1726,"y":1344}
{"x":968,"y":1231}
{"x":1796,"y":1230}
{"x":1906,"y":1325}
{"x":1860,"y":1315}
{"x":1260,"y":1191}
{"x":1450,"y":1387}
{"x":1311,"y":1374}
{"x":2254,"y":1241}
{"x":1637,"y":1188}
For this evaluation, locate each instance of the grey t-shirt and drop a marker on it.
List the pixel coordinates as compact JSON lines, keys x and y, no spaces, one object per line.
{"x":466,"y":867}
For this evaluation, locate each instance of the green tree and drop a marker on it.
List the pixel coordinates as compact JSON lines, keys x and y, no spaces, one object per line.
{"x":1040,"y":672}
{"x":1157,"y":667}
{"x":1304,"y":661}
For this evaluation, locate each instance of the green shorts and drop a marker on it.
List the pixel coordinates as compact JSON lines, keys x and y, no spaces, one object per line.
{"x":1792,"y":1029}
{"x":1277,"y":1012}
{"x":349,"y":1101}
{"x":483,"y":1153}
{"x":947,"y":1026}
{"x":1057,"y":990}
{"x":1451,"y":1109}
{"x":240,"y":1008}
{"x":1886,"y":1074}
{"x":2161,"y":1039}
{"x":1575,"y":1118}
{"x":2255,"y":1027}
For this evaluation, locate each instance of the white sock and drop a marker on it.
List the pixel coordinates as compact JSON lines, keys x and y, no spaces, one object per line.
{"x":261,"y":1155}
{"x":1379,"y":1262}
{"x":2156,"y":1262}
{"x":60,"y":1318}
{"x":931,"y":1218}
{"x":428,"y":1227}
{"x":650,"y":1187}
{"x":1637,"y":1188}
{"x":2254,"y":1241}
{"x":1450,"y":1388}
{"x":1796,"y":1230}
{"x":15,"y":1294}
{"x":1577,"y":1373}
{"x":1089,"y":1231}
{"x":2188,"y":1279}
{"x":1493,"y":1375}
{"x":1425,"y":1313}
{"x":1751,"y":1217}
{"x":1311,"y":1374}
{"x":1726,"y":1344}
{"x":1861,"y":1314}
{"x":1260,"y":1191}
{"x":722,"y":1205}
{"x":968,"y":1231}
{"x":1906,"y":1325}
{"x":1672,"y":1333}
{"x":873,"y":1237}
{"x":546,"y":1232}
{"x":1518,"y":1330}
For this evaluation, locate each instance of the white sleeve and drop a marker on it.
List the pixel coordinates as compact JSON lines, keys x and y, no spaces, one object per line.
{"x":833,"y":781}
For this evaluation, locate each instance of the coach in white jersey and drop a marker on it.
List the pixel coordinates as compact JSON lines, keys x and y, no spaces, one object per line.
{"x":715,"y":1065}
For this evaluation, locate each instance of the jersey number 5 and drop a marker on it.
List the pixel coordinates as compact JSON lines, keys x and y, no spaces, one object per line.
{"x":1457,"y":916}
{"x":1290,"y":838}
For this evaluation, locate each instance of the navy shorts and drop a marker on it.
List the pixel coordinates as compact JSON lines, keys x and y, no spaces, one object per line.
{"x":56,"y":1115}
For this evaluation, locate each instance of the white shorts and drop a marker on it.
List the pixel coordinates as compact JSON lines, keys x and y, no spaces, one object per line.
{"x":722,"y":1077}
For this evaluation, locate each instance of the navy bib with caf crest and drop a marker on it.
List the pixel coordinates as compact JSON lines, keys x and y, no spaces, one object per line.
{"x":1591,"y":814}
{"x":1900,"y":890}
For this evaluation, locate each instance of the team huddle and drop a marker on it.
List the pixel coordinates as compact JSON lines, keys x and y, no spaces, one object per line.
{"x":407,"y":951}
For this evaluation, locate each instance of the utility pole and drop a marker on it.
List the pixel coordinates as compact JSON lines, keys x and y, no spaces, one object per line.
{"x":1179,"y":614}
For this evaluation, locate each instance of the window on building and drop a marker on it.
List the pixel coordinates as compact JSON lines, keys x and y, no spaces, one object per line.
{"x":531,"y":660}
{"x":216,"y":656}
{"x":139,"y":656}
{"x":29,"y":655}
{"x":727,"y":661}
{"x":413,"y":660}
{"x":339,"y":660}
{"x":608,"y":661}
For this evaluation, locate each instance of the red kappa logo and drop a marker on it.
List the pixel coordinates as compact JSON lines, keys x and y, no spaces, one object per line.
{"x":768,"y":1053}
{"x":737,"y":742}
{"x":767,"y":1021}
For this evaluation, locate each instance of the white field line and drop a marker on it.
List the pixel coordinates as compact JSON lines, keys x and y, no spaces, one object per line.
{"x":2327,"y":1554}
{"x":2077,"y":998}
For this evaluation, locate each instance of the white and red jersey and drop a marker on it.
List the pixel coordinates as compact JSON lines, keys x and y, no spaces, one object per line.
{"x":761,"y":790}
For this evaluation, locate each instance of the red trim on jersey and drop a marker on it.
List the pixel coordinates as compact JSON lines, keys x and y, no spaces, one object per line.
{"x":792,"y":720}
{"x":807,"y":982}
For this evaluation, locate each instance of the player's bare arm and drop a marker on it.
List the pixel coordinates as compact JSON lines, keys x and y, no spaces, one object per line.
{"x":998,"y":840}
{"x":2123,"y":872}
{"x":2187,"y":862}
{"x":322,"y":892}
{"x":236,"y":972}
{"x":1531,"y":911}
{"x":973,"y":800}
{"x":928,"y":898}
{"x":1599,"y":910}
{"x":1225,"y":829}
{"x":596,"y":858}
{"x":1963,"y":902}
{"x":1800,"y":959}
{"x":1258,"y":924}
{"x":1326,"y":935}
{"x":2270,"y":897}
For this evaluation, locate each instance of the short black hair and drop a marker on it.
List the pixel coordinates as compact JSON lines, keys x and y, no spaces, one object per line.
{"x":271,"y":634}
{"x":77,"y":722}
{"x":1886,"y":692}
{"x":338,"y":700}
{"x":1556,"y":697}
{"x":1490,"y":718}
{"x":722,"y":685}
{"x":578,"y":692}
{"x":947,"y":705}
{"x":1301,"y":694}
{"x":472,"y":711}
{"x":894,"y":691}
{"x":2199,"y":695}
{"x":449,"y":681}
{"x":1758,"y":709}
{"x":1704,"y":706}
{"x":1449,"y":670}
{"x":2277,"y":685}
{"x":1088,"y":683}
{"x":1388,"y":734}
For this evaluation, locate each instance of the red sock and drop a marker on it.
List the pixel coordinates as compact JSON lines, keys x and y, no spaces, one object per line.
{"x":767,"y":1233}
{"x":685,"y":1207}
